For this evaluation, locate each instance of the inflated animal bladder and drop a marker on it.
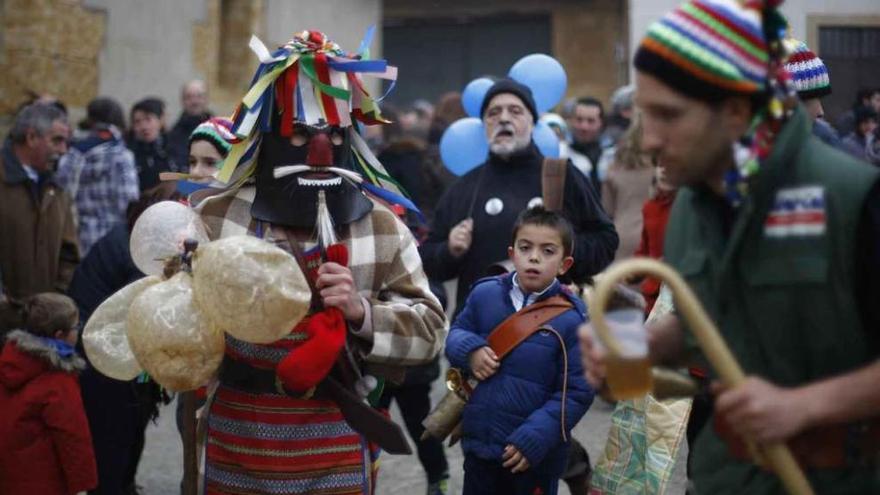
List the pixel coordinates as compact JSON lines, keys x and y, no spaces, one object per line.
{"x":159,"y":233}
{"x":171,"y":338}
{"x":250,"y":288}
{"x":105,"y":336}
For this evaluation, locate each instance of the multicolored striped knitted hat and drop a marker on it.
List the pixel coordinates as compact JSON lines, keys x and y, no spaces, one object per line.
{"x":714,"y":49}
{"x":707,"y":49}
{"x":808,"y":72}
{"x":217,"y":131}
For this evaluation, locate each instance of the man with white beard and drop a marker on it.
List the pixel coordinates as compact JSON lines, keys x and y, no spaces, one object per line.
{"x":474,"y":218}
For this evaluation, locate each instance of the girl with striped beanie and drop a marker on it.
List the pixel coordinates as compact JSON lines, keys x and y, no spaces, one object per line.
{"x":209,"y":144}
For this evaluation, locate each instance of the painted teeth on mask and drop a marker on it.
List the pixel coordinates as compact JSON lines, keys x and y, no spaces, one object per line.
{"x":335,"y":181}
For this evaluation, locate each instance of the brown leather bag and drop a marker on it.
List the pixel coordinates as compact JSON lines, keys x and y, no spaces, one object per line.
{"x":553,"y":182}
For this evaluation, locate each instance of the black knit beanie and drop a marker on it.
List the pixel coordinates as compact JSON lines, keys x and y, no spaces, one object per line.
{"x":507,"y":85}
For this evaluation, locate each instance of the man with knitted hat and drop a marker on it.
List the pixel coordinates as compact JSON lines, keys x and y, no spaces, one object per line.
{"x":810,"y":79}
{"x":809,"y":76}
{"x":473,"y":219}
{"x":778,"y":235}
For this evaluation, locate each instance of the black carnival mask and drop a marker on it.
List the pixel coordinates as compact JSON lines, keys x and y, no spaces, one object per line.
{"x":291,"y":171}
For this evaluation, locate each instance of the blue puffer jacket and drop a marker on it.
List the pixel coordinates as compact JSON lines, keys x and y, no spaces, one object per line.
{"x":521,"y":404}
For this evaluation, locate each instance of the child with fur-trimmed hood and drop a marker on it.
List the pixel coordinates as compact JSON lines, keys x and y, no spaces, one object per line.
{"x":45,"y":444}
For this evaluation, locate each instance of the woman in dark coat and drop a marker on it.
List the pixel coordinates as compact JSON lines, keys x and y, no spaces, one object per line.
{"x":118,"y":411}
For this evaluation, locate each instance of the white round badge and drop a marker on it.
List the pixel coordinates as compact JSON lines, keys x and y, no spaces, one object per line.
{"x":536,"y":201}
{"x":494,"y":206}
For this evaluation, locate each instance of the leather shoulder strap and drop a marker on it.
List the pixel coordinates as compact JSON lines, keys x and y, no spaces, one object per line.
{"x":553,"y":182}
{"x":520,"y":325}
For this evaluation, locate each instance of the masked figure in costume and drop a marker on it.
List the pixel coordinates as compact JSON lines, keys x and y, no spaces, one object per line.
{"x":293,"y":416}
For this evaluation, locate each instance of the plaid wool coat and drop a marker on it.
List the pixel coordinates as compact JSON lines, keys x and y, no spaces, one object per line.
{"x":99,"y":175}
{"x":408,"y":324}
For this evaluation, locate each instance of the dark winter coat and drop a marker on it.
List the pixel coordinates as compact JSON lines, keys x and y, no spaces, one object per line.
{"x":151,"y":159}
{"x":856,"y":145}
{"x":118,"y":411}
{"x":514,"y":184}
{"x":178,"y":138}
{"x":521,"y":403}
{"x":416,"y":168}
{"x":107,"y":268}
{"x":45,"y":444}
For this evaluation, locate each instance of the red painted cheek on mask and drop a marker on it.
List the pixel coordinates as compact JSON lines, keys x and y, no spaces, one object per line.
{"x":320,"y":152}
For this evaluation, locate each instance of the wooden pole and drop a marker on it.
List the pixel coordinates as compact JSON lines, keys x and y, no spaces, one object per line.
{"x":190,"y":462}
{"x":778,"y":455}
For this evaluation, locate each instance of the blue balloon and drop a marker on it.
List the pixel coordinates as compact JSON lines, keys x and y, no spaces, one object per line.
{"x":546,"y":140}
{"x":473,"y":94}
{"x":464,"y":145}
{"x":544,"y":75}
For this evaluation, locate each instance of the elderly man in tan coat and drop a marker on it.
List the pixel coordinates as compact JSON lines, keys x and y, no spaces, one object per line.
{"x":39,"y":250}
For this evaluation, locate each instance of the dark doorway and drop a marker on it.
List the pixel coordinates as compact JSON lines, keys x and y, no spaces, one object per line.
{"x":439,"y":55}
{"x":852,"y":55}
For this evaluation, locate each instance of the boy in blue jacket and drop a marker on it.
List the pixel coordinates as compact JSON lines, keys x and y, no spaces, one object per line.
{"x":516,"y":425}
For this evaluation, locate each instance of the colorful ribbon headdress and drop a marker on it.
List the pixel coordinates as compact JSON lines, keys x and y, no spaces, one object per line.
{"x":312,"y":81}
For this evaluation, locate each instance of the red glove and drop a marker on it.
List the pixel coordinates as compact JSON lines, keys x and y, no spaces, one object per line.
{"x":307,"y":364}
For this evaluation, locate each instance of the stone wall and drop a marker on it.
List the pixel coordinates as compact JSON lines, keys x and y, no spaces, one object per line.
{"x":48,"y":47}
{"x":130,"y":49}
{"x":591,"y":45}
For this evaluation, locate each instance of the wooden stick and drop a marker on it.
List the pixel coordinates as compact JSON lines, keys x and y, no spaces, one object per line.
{"x":190,"y":462}
{"x":709,"y":339}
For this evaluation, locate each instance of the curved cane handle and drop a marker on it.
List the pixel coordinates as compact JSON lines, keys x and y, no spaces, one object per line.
{"x":710,"y":341}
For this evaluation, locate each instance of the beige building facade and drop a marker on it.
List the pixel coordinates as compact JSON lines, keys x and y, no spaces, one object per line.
{"x":130,"y":49}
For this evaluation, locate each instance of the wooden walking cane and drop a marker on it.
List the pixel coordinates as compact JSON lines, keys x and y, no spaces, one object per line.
{"x":778,"y":455}
{"x":190,"y":456}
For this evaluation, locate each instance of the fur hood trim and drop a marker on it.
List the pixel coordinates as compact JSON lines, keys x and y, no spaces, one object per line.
{"x":31,"y":344}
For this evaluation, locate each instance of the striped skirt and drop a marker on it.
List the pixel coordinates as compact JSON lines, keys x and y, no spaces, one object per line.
{"x":274,"y":444}
{"x":267,"y":443}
